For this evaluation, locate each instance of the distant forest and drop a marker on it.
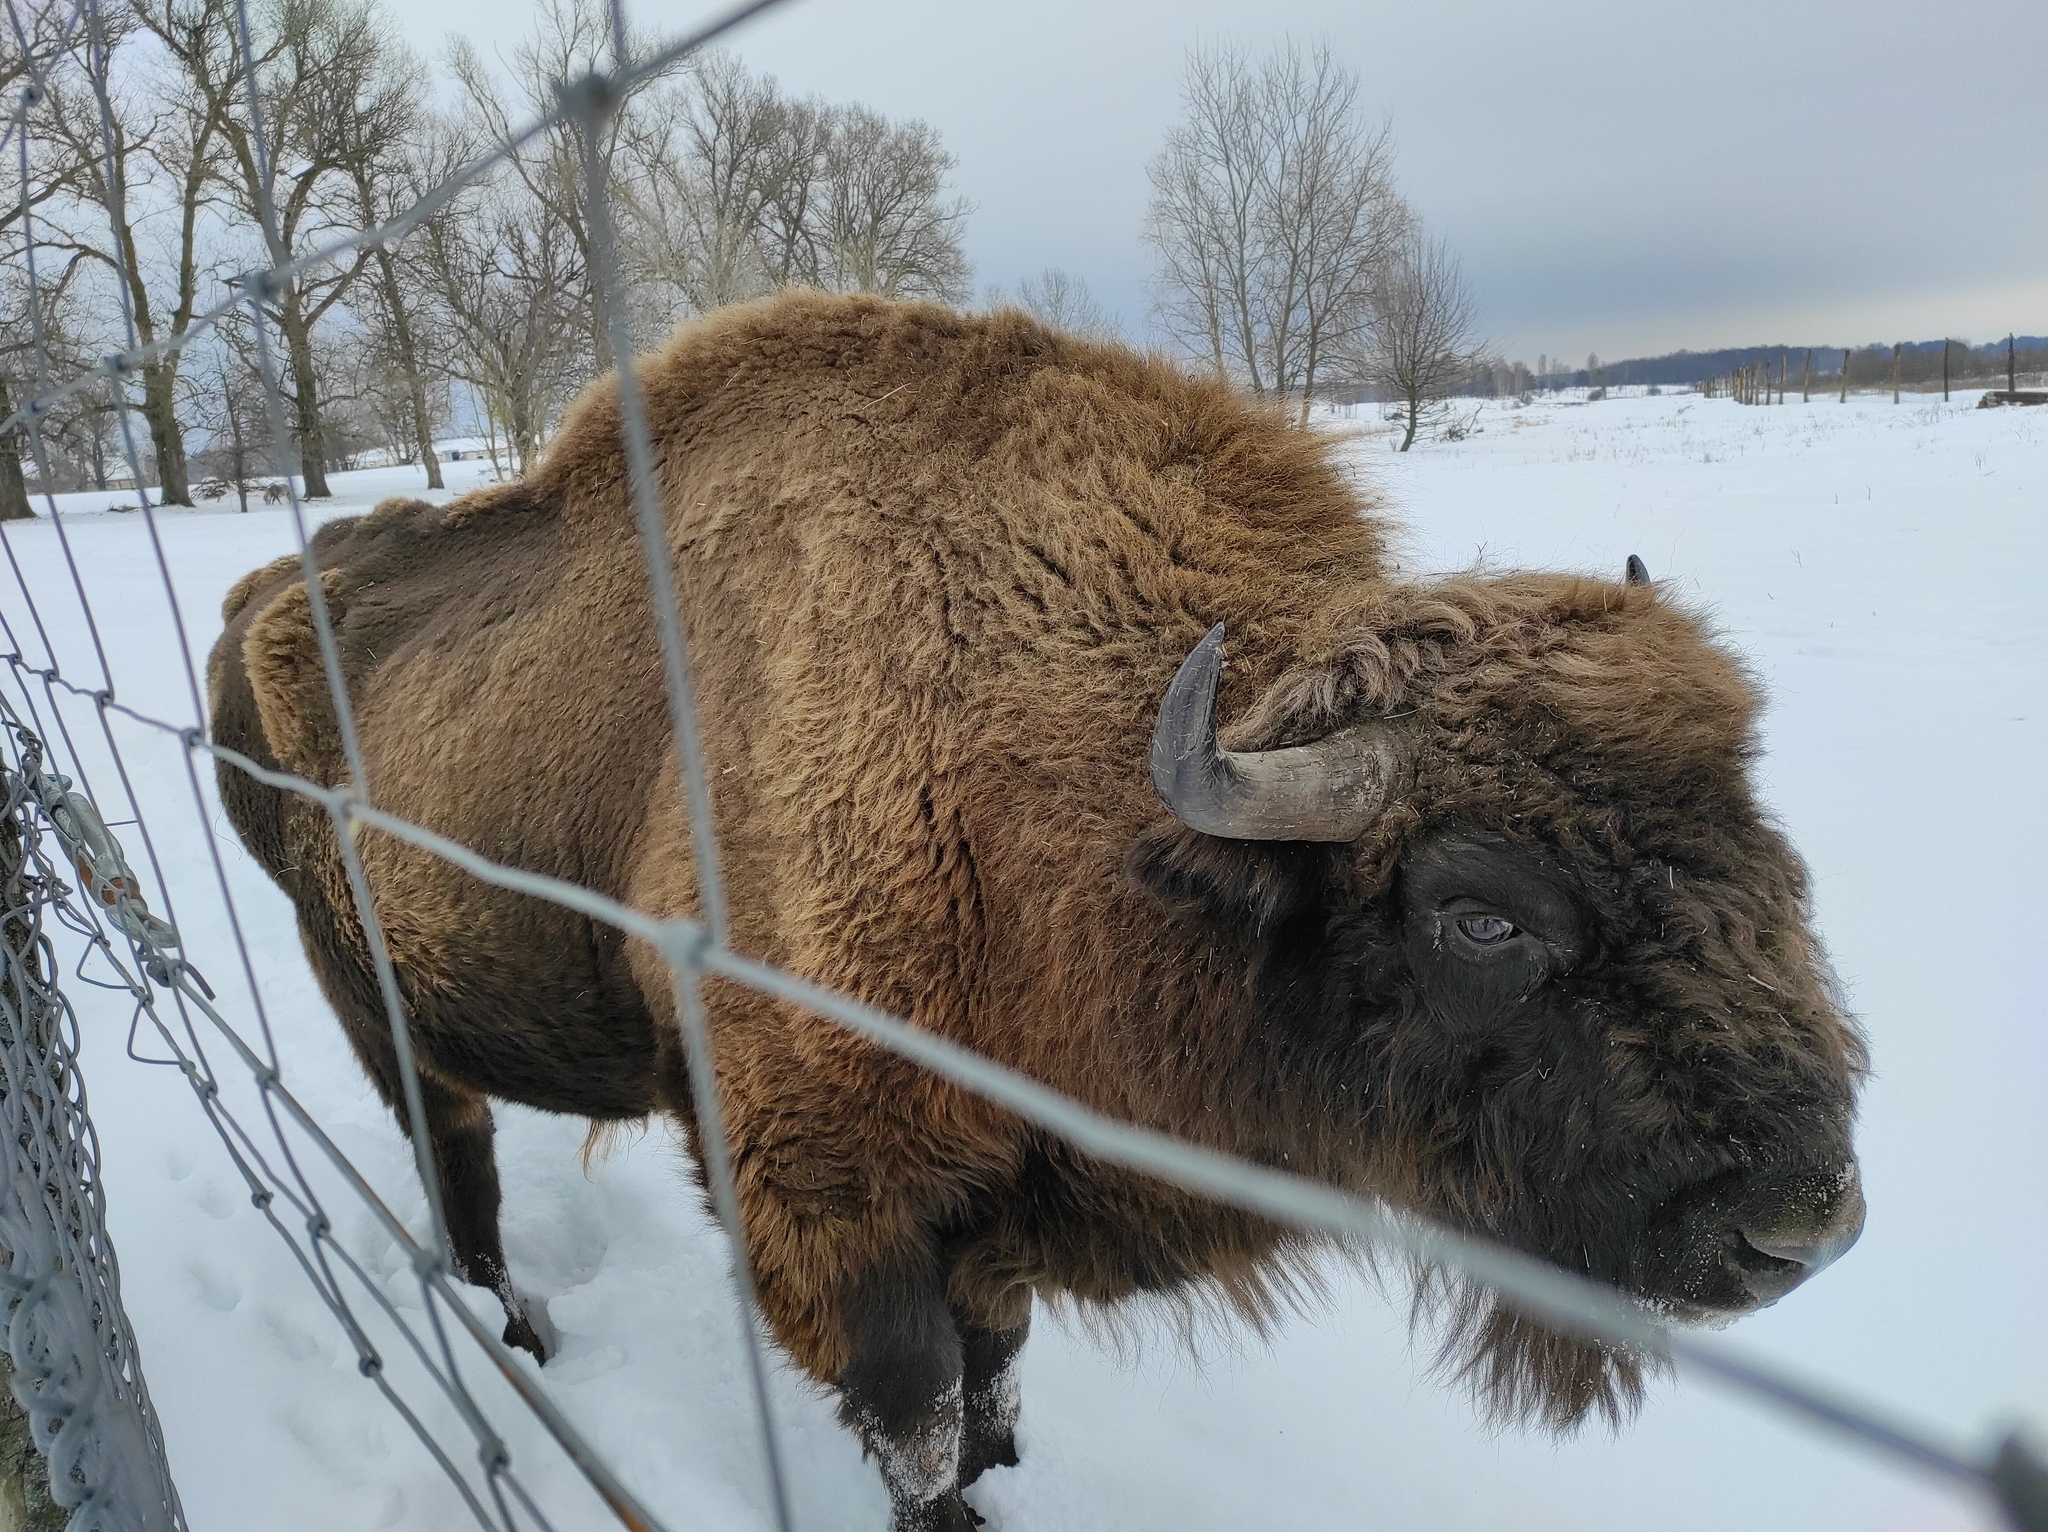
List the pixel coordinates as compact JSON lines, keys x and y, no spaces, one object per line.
{"x":1919,"y":364}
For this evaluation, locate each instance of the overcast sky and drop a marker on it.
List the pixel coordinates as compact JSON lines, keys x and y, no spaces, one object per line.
{"x":1620,"y":176}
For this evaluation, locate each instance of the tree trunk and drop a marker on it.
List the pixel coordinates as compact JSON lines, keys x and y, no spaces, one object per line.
{"x":159,"y":409}
{"x":306,"y":397}
{"x":14,"y":504}
{"x":1414,"y":418}
{"x":159,"y":378}
{"x":425,"y":427}
{"x":408,"y":358}
{"x":240,"y":459}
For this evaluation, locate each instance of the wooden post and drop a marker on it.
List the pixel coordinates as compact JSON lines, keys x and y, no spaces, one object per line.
{"x":1944,"y":369}
{"x":1845,"y":375}
{"x":1781,"y":377}
{"x":2012,"y":385}
{"x":1897,"y":347}
{"x":1806,"y":378}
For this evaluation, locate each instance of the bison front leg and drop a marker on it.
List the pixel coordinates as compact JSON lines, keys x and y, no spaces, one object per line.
{"x":903,"y":1392}
{"x":989,"y":1388}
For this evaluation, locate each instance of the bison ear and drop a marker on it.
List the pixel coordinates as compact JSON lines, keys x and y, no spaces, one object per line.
{"x":1245,"y":884}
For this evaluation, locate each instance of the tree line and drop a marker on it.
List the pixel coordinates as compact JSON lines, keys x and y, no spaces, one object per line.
{"x":1288,"y":260}
{"x":1921,"y":366}
{"x":147,"y":196}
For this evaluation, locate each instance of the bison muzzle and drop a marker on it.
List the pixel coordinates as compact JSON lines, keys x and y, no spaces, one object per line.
{"x":1468,"y":904}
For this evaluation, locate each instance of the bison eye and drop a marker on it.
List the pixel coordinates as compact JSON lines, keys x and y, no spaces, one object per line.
{"x":1487,"y":930}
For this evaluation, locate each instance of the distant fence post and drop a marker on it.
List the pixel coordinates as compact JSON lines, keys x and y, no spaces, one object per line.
{"x":1845,"y":375}
{"x":1897,"y":347}
{"x":1806,"y":378}
{"x":1944,"y":369}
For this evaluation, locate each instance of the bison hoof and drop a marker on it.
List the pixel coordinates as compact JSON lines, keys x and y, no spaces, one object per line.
{"x":949,"y":1513}
{"x":980,"y":1454}
{"x":519,"y":1332}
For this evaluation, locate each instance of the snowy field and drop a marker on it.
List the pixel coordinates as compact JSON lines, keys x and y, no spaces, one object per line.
{"x":1882,"y":566}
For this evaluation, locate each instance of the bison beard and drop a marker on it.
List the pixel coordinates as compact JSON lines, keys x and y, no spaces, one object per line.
{"x":1469,"y":907}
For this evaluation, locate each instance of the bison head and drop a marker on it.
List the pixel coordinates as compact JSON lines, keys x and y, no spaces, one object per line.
{"x":1515,"y":925}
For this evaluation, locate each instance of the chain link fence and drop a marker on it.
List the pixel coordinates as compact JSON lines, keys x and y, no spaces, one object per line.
{"x":77,"y":1370}
{"x":72,"y":1356}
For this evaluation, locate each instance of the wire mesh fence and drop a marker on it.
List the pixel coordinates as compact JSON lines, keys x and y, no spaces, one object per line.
{"x":72,"y":1354}
{"x":75,"y":1349}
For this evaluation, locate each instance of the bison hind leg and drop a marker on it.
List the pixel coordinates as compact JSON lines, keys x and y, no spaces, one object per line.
{"x":463,"y":1138}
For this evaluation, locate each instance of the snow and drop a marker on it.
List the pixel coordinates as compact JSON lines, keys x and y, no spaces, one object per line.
{"x":1879,"y":564}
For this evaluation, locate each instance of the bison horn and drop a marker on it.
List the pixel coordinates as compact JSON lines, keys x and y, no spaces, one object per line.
{"x":1331,"y":790}
{"x":1637,"y":572}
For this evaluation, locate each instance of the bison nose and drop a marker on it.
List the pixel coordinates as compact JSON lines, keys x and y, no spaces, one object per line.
{"x":1772,"y":1259}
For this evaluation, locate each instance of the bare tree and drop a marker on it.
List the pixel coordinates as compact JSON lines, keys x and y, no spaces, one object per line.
{"x":36,"y":344}
{"x":734,"y":189}
{"x":335,"y":93}
{"x":509,"y":280}
{"x":1419,"y":340}
{"x":149,"y":151}
{"x":571,"y":39}
{"x":1273,"y":209}
{"x":1062,"y":300}
{"x":727,"y":158}
{"x":888,"y":225}
{"x":392,"y":173}
{"x":53,"y":173}
{"x":228,"y":408}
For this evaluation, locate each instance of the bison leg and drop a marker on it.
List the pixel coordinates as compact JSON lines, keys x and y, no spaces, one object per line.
{"x":989,"y":1384}
{"x":902,"y":1392}
{"x":463,"y":1136}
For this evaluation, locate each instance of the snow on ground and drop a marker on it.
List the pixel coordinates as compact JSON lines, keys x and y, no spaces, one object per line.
{"x":1880,"y":565}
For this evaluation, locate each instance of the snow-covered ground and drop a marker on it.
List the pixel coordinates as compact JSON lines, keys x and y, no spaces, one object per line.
{"x":1882,"y":567}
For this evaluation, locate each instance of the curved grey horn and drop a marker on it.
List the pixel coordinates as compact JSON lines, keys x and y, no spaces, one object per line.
{"x":1638,"y":573}
{"x":1331,"y":790}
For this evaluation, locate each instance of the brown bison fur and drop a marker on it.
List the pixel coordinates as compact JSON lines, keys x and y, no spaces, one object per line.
{"x":937,"y":572}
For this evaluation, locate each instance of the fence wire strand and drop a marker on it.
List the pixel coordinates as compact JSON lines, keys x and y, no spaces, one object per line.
{"x":135,"y":953}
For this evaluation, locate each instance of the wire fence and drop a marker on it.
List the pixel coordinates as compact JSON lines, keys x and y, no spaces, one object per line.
{"x":77,"y":1331}
{"x":72,"y":1353}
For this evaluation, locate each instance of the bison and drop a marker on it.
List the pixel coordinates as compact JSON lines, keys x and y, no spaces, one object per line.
{"x":1453,"y":893}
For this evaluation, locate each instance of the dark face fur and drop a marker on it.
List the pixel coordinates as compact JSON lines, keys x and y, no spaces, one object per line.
{"x":1710,"y":1179}
{"x":1628,"y":1063}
